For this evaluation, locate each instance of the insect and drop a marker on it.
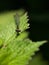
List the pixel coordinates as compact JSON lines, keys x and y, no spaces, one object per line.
{"x":17,"y":21}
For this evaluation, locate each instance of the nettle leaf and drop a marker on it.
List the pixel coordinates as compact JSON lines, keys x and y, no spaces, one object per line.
{"x":18,"y":52}
{"x":24,"y":22}
{"x":7,"y":26}
{"x":15,"y":49}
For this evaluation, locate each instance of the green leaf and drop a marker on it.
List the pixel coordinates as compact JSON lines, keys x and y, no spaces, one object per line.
{"x":15,"y":50}
{"x":18,"y":52}
{"x":7,"y":26}
{"x":24,"y":22}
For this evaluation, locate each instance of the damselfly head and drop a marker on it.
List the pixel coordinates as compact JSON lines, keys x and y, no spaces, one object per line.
{"x":17,"y":30}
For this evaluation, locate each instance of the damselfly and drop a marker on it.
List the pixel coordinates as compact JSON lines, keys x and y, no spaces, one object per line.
{"x":17,"y":21}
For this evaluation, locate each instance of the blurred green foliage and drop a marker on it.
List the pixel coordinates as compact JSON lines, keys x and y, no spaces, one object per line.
{"x":38,"y":60}
{"x":16,"y":50}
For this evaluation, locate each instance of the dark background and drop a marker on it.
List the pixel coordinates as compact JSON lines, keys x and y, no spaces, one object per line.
{"x":38,"y":11}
